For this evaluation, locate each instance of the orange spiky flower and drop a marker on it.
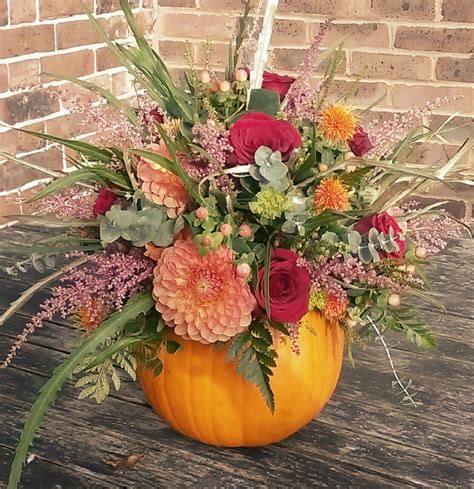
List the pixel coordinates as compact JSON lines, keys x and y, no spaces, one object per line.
{"x":336,"y":306}
{"x":331,"y":194}
{"x":337,"y":123}
{"x":91,"y":316}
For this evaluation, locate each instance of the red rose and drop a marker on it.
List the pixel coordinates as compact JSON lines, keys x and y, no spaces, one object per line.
{"x":360,"y":142}
{"x":257,"y":129}
{"x":289,"y":287}
{"x":105,"y":200}
{"x":277,"y":83}
{"x":382,"y":223}
{"x":156,"y":115}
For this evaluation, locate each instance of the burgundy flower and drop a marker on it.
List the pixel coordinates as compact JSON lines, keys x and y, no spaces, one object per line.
{"x":289,"y":288}
{"x":382,"y":223}
{"x":257,"y":129}
{"x":105,"y":200}
{"x":156,"y":115}
{"x":277,"y":83}
{"x":360,"y":142}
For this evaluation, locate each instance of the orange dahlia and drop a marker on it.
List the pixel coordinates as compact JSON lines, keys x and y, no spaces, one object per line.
{"x":201,"y":297}
{"x":337,"y":123}
{"x":331,"y":194}
{"x":160,"y":185}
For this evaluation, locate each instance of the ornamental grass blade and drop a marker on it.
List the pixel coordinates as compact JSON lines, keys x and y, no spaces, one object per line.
{"x":139,"y":304}
{"x":28,"y":293}
{"x":103,"y":92}
{"x":54,"y":222}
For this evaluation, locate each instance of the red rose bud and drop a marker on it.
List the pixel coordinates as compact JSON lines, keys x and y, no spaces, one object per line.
{"x":256,"y":129}
{"x":382,"y":223}
{"x":105,"y":200}
{"x":156,"y":115}
{"x":289,"y":288}
{"x":360,"y":142}
{"x":277,"y":83}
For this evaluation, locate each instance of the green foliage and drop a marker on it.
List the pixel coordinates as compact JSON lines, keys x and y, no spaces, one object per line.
{"x":269,"y":169}
{"x":264,"y":101}
{"x":137,"y":226}
{"x":417,"y":332}
{"x":256,"y":357}
{"x":94,"y":174}
{"x":95,"y":383}
{"x":138,"y":304}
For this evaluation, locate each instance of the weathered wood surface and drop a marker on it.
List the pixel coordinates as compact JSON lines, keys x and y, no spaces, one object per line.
{"x":365,"y":438}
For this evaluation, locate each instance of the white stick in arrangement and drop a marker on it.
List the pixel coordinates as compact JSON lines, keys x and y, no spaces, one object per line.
{"x":261,"y":55}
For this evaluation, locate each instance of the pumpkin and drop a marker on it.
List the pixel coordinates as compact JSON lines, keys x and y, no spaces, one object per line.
{"x":202,"y":396}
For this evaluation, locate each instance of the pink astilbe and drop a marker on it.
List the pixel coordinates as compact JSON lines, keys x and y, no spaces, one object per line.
{"x":214,"y":139}
{"x":107,"y":281}
{"x":430,"y":232}
{"x":349,"y":271}
{"x":75,"y":201}
{"x":385,"y":135}
{"x":301,"y":95}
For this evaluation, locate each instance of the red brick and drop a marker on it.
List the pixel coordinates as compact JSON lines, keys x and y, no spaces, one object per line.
{"x":117,"y":27}
{"x":408,"y":96}
{"x":432,"y":39}
{"x":24,"y":74}
{"x":77,"y":33}
{"x":106,"y":6}
{"x":3,"y":12}
{"x":26,"y":106}
{"x":13,"y":175}
{"x":26,"y":143}
{"x":404,"y":9}
{"x":180,"y":3}
{"x":362,"y":94}
{"x":146,"y":20}
{"x":22,"y":11}
{"x":122,"y":83}
{"x":3,"y":78}
{"x":26,"y":40}
{"x":8,"y":142}
{"x":289,"y":59}
{"x":9,"y":207}
{"x":50,"y":9}
{"x":463,"y":127}
{"x":288,"y":31}
{"x":196,"y":26}
{"x":458,"y":10}
{"x":67,"y":126}
{"x":78,"y":63}
{"x":105,"y":59}
{"x":173,"y":51}
{"x":337,"y":9}
{"x":218,"y":56}
{"x":391,"y":66}
{"x":367,"y":35}
{"x":455,"y":69}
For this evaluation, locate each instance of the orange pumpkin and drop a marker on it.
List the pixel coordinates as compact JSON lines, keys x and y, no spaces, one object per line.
{"x":202,"y":396}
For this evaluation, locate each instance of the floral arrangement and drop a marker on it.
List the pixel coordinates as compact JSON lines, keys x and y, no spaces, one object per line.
{"x":224,"y":212}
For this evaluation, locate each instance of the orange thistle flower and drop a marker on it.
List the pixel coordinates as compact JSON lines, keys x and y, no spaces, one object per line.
{"x":337,"y":123}
{"x":90,"y":317}
{"x":331,"y":194}
{"x":336,"y":306}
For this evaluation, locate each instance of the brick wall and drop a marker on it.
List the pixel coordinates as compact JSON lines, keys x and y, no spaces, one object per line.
{"x":412,"y":50}
{"x":55,"y":36}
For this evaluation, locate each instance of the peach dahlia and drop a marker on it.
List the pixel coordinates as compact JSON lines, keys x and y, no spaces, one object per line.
{"x":202,"y":297}
{"x":160,"y":186}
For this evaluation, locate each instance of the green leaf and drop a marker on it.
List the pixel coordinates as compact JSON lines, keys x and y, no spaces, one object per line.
{"x":138,"y":304}
{"x":172,"y":346}
{"x":264,"y":101}
{"x":104,"y":155}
